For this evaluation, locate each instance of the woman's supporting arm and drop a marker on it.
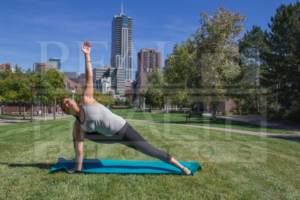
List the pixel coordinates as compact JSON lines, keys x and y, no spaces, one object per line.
{"x":78,"y":145}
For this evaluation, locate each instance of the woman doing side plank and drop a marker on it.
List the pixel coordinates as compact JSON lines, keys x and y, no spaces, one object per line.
{"x":97,"y":123}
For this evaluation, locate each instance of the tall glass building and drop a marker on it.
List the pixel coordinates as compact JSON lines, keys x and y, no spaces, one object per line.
{"x":57,"y":60}
{"x":121,"y":45}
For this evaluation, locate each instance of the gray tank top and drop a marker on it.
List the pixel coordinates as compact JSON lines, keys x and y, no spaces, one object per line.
{"x":97,"y":118}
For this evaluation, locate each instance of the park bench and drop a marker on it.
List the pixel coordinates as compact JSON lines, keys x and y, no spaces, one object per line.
{"x":16,"y":113}
{"x":193,"y":115}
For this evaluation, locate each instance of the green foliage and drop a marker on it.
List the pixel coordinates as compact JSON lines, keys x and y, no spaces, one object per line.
{"x":128,"y":101}
{"x":177,"y":71}
{"x":202,"y":67}
{"x":49,"y":85}
{"x":105,"y":99}
{"x":282,"y":56}
{"x":157,"y":88}
{"x":247,"y":89}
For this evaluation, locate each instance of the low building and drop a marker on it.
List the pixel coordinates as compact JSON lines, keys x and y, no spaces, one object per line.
{"x":109,"y":79}
{"x":51,"y":65}
{"x":39,"y":66}
{"x":82,"y":75}
{"x":71,"y":85}
{"x":72,"y":74}
{"x":148,"y":59}
{"x":80,"y":81}
{"x":6,"y":66}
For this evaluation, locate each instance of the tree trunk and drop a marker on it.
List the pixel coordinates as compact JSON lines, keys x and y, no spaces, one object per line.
{"x":285,"y":103}
{"x":20,"y":107}
{"x":54,"y":108}
{"x":45,"y":113}
{"x":42,"y":111}
{"x":181,"y":106}
{"x":24,"y":112}
{"x":214,"y":118}
{"x":167,"y":104}
{"x":31,"y":112}
{"x":256,"y":102}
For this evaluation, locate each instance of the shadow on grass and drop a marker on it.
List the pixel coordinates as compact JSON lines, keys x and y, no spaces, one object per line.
{"x":38,"y":165}
{"x":223,"y":123}
{"x":287,"y":137}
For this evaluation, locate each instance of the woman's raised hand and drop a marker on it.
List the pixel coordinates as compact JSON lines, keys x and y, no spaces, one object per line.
{"x":86,"y":48}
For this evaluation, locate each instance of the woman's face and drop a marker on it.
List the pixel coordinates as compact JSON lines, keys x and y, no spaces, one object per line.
{"x":68,"y":105}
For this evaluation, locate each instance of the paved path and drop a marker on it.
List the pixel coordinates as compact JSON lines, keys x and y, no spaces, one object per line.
{"x":279,"y":136}
{"x":13,"y":120}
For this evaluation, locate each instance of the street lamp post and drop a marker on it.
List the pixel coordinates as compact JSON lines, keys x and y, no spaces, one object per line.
{"x":144,"y":104}
{"x":73,"y":92}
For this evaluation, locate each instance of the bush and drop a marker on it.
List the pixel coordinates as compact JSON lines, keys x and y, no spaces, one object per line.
{"x":293,"y":115}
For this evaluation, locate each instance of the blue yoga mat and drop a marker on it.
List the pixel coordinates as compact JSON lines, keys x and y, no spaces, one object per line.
{"x":121,"y":166}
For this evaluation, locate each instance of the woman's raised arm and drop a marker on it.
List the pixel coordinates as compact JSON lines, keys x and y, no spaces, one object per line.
{"x":89,"y":90}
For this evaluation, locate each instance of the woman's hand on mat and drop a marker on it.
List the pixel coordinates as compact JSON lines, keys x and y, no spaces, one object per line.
{"x":75,"y":168}
{"x":86,"y":48}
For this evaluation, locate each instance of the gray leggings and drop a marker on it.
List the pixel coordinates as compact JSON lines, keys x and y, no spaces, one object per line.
{"x":131,"y":138}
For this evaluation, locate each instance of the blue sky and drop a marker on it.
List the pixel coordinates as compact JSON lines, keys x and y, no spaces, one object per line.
{"x":35,"y":30}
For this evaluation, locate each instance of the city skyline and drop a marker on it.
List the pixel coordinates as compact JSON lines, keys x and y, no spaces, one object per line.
{"x":37,"y":33}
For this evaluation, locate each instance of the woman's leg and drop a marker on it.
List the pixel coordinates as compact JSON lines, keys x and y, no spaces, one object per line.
{"x":134,"y":140}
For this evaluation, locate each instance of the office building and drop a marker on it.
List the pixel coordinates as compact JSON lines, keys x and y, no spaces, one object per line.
{"x":121,"y":45}
{"x":6,"y":66}
{"x":82,"y":75}
{"x":58,"y":63}
{"x":71,"y":85}
{"x":72,"y":74}
{"x":51,"y":64}
{"x":107,"y":79}
{"x":148,"y":59}
{"x":80,"y":81}
{"x":104,"y":79}
{"x":39,"y":66}
{"x":120,"y":81}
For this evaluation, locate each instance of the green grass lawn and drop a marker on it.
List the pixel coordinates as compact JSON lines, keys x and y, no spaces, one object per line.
{"x":205,"y":120}
{"x":235,"y":166}
{"x":14,"y":116}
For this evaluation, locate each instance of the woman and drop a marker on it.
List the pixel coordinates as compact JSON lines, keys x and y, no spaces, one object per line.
{"x":95,"y":122}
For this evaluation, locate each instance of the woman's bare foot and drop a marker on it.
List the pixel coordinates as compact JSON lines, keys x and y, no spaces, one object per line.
{"x":187,"y":171}
{"x":175,"y":163}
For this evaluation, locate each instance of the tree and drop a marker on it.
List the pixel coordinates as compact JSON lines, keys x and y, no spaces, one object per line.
{"x":250,"y":48}
{"x":281,"y":56}
{"x":177,"y":71}
{"x":49,"y":86}
{"x":157,"y":88}
{"x":128,"y":100}
{"x":5,"y":82}
{"x":217,"y":60}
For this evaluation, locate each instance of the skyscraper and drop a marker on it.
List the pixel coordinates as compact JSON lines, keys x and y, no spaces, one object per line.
{"x":57,"y":60}
{"x":111,"y":79}
{"x":148,"y":59}
{"x":121,"y":44}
